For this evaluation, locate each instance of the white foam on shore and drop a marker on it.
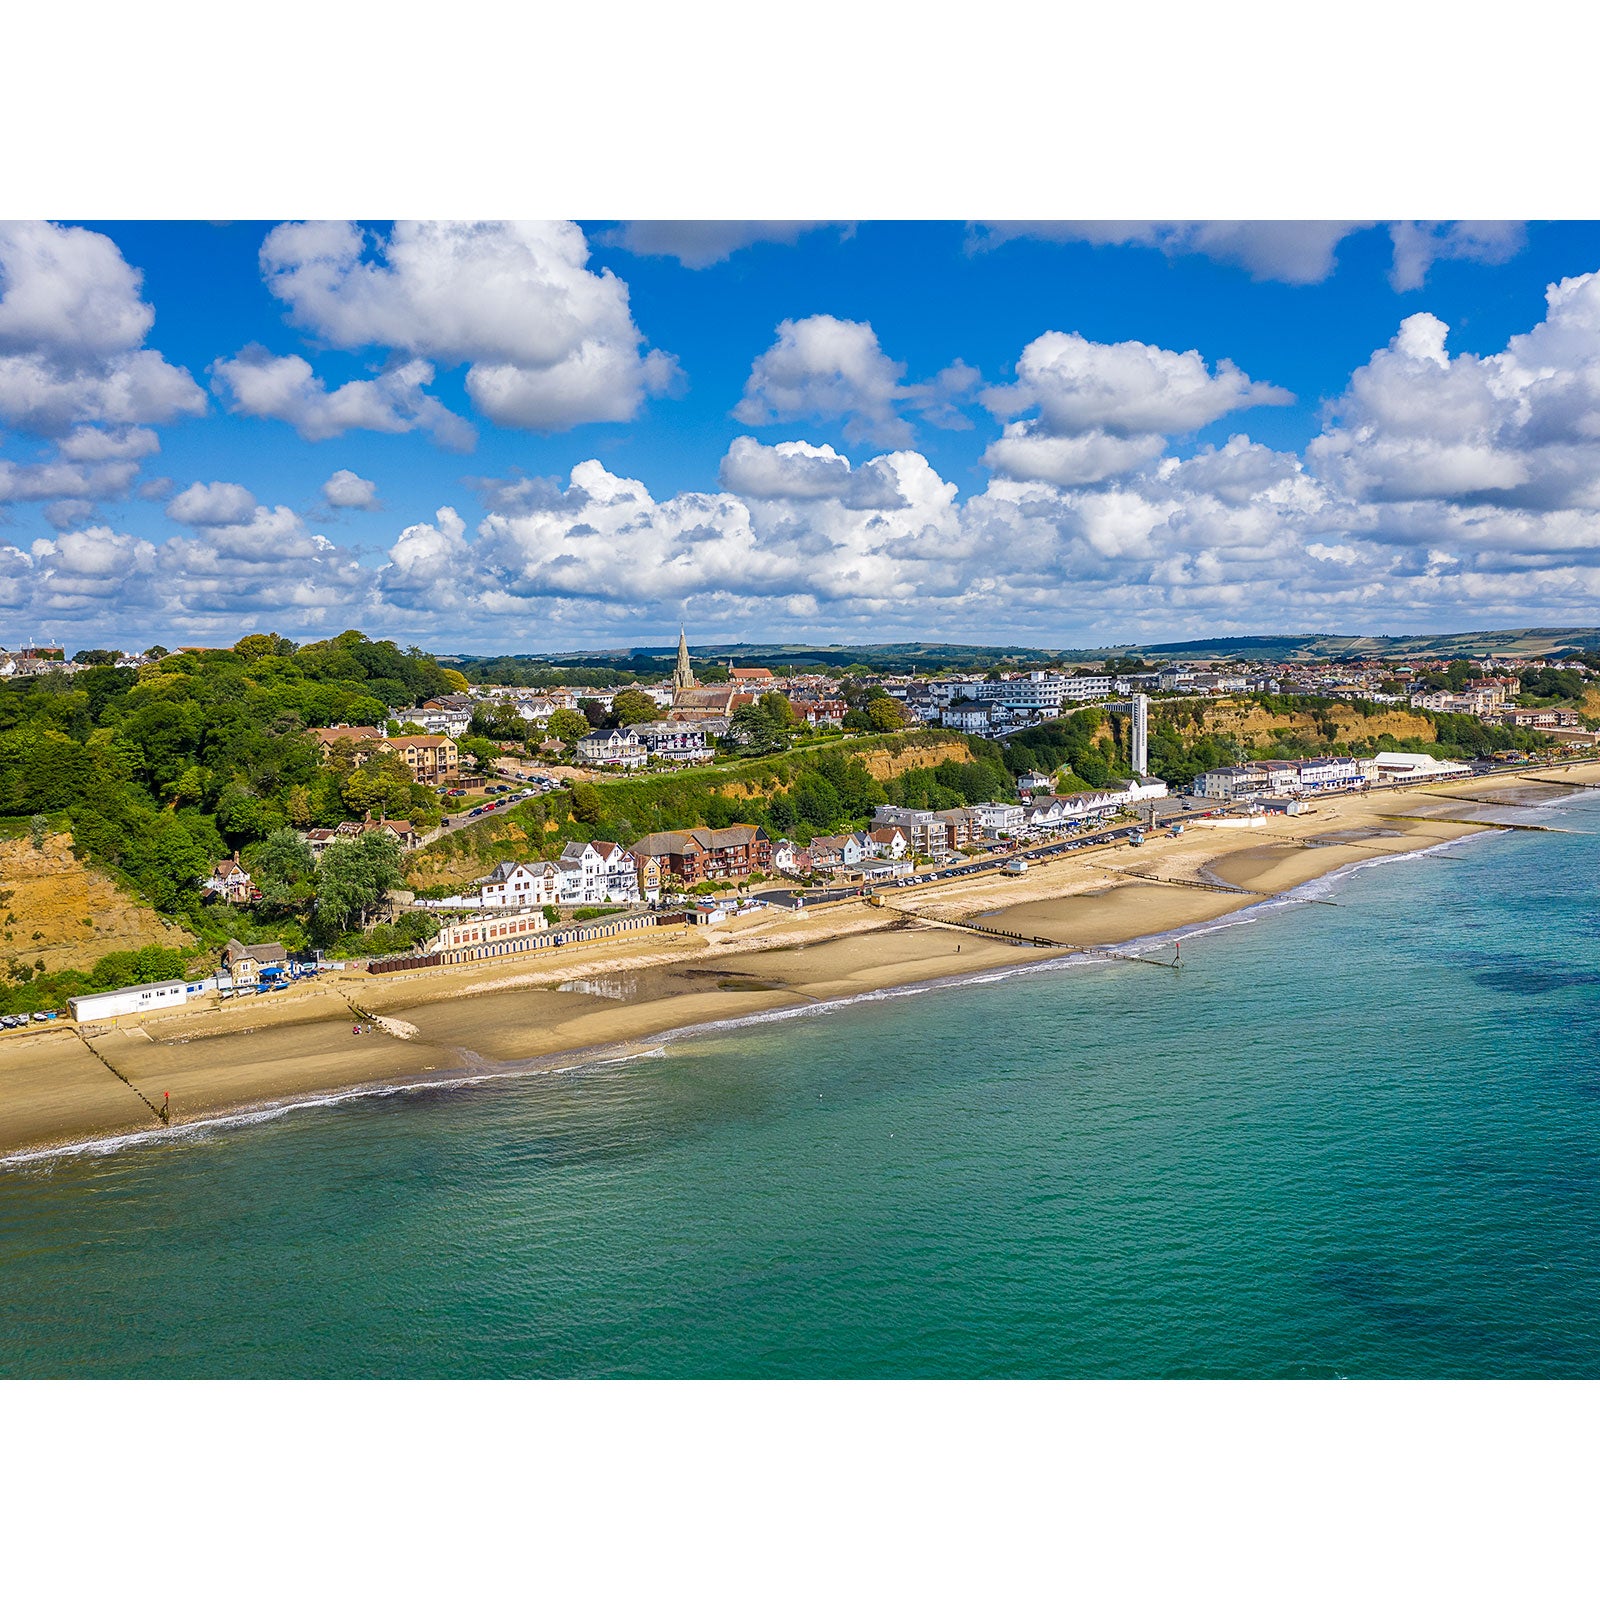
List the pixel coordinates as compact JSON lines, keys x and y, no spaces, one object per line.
{"x":480,"y":1070}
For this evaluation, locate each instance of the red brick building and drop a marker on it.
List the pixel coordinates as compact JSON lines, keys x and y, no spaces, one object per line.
{"x":696,"y":853}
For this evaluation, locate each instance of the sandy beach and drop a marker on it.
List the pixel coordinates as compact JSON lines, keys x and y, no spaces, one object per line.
{"x":59,"y":1088}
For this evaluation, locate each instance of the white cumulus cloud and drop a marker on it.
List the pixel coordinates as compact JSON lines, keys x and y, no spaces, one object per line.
{"x":257,"y":383}
{"x":834,"y":370}
{"x":796,"y":470}
{"x":72,"y":330}
{"x":1517,"y":428}
{"x":346,"y":491}
{"x":212,"y":504}
{"x":550,"y":344}
{"x":1104,"y":409}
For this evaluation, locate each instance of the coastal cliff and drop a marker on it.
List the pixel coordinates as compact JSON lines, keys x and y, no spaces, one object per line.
{"x":62,"y":912}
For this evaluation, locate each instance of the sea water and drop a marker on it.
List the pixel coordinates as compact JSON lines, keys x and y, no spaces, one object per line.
{"x":1359,"y":1139}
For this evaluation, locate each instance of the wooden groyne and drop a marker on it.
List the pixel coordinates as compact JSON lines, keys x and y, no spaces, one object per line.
{"x":1037,"y":939}
{"x":962,"y":925}
{"x":160,"y":1113}
{"x":1478,"y":800}
{"x":1182,"y":883}
{"x":1472,"y":822}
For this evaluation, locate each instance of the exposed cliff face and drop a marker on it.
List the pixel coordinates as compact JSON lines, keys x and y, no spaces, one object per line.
{"x":58,"y":910}
{"x":885,"y":764}
{"x":1257,"y":727}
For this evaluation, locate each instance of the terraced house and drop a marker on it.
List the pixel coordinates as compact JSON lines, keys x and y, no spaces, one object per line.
{"x":683,"y":742}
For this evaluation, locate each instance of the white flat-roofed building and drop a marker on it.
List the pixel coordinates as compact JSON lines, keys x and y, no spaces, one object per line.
{"x":1039,"y":691}
{"x":137,"y":997}
{"x":1411,"y":766}
{"x":996,"y":817}
{"x":1088,"y":687}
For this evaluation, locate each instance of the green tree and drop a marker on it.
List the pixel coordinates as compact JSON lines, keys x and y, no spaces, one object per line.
{"x":284,"y":870}
{"x":299,"y":806}
{"x":38,"y":828}
{"x":752,"y":730}
{"x":634,"y":705}
{"x":190,"y":787}
{"x":779,"y":710}
{"x":586,"y":804}
{"x":886,"y":715}
{"x":382,"y":785}
{"x":174,"y":864}
{"x":352,"y":878}
{"x":567,"y":726}
{"x":484,"y":752}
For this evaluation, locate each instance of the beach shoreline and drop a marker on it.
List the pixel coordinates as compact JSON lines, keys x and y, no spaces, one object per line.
{"x":62,"y":1093}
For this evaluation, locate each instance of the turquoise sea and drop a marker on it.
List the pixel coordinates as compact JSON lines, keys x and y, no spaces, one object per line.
{"x":1357,"y":1140}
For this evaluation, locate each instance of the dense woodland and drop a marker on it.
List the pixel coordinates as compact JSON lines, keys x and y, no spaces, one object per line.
{"x":160,"y":772}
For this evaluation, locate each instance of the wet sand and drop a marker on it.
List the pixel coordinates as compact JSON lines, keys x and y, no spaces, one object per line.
{"x":542,"y":1009}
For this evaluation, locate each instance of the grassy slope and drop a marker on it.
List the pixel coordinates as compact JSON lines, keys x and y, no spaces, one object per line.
{"x":530,"y":830}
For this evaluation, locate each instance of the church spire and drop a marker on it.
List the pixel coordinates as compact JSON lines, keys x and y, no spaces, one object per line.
{"x":683,"y":676}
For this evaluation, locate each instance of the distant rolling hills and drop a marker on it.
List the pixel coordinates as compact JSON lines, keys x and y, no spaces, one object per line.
{"x":1522,"y":642}
{"x":929,"y":657}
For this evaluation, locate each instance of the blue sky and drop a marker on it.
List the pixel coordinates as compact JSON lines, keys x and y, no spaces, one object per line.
{"x":1059,"y":434}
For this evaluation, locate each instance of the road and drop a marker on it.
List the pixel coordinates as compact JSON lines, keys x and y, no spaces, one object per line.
{"x":791,"y":898}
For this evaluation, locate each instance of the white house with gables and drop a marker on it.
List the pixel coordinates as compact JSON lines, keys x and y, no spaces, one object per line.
{"x":597,"y":873}
{"x":612,"y":747}
{"x":518,"y":883}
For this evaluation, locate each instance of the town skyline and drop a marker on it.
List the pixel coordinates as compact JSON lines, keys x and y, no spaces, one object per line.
{"x":477,"y":435}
